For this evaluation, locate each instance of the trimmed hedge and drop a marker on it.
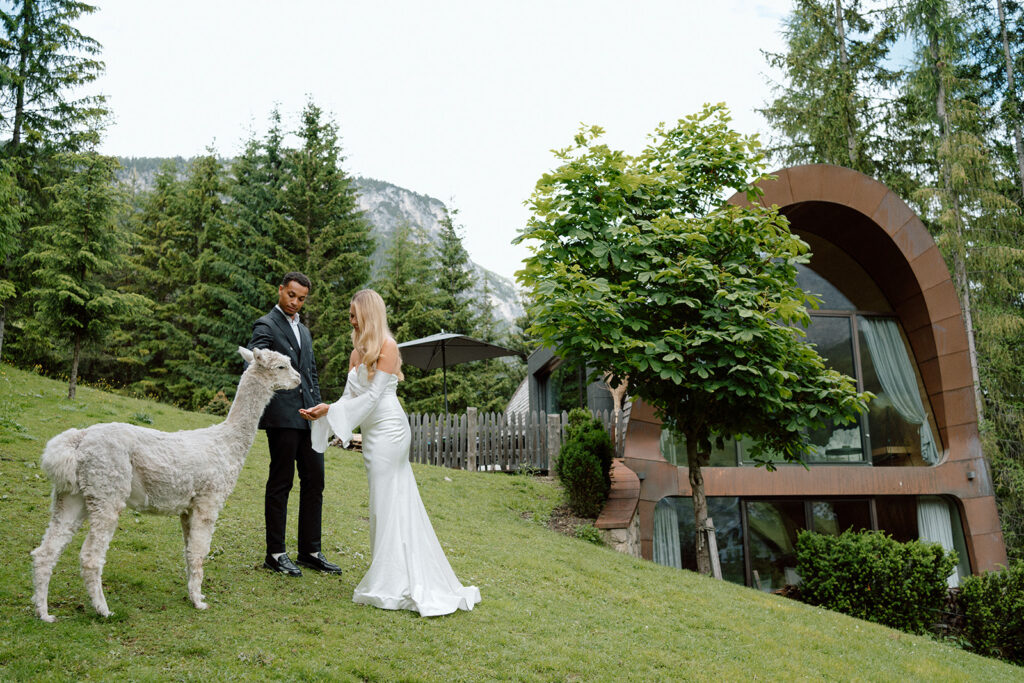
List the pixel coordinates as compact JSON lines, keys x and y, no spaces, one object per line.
{"x":993,"y":606}
{"x":584,"y":463}
{"x":871,"y":576}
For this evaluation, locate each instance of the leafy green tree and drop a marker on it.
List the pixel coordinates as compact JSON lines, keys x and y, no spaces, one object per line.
{"x":334,"y":240}
{"x":639,"y":269}
{"x":45,"y":62}
{"x":75,"y":252}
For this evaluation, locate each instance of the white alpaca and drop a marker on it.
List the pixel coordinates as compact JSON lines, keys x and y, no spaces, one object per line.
{"x":98,"y":470}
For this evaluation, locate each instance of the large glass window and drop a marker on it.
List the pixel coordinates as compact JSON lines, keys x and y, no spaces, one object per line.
{"x":757,"y":538}
{"x":566,"y":388}
{"x":857,"y":335}
{"x":681,"y":550}
{"x":899,"y":426}
{"x":833,"y":338}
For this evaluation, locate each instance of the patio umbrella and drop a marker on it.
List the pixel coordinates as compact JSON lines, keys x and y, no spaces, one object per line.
{"x":445,"y":349}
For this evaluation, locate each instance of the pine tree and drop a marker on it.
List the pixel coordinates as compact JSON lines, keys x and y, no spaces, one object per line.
{"x":454,"y":278}
{"x":490,"y":383}
{"x":196,"y":370}
{"x":156,"y":262}
{"x":454,"y":284}
{"x":44,"y":63}
{"x":835,"y":105}
{"x":334,"y":241}
{"x":10,"y":227}
{"x":256,"y":191}
{"x":406,"y":283}
{"x":75,"y":252}
{"x":958,"y":196}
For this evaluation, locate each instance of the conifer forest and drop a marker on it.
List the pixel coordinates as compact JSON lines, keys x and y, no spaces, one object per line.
{"x":150,"y":289}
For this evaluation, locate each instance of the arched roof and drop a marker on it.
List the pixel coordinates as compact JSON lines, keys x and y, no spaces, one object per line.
{"x":877,"y":229}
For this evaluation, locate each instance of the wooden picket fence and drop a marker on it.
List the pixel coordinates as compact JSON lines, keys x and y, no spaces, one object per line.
{"x":497,"y":442}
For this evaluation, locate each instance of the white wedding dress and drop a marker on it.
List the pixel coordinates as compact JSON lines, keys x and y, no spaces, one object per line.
{"x":408,"y":569}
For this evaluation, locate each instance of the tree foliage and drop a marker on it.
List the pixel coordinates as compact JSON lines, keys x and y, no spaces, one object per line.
{"x":75,"y":252}
{"x":835,"y":104}
{"x":639,"y":268}
{"x":333,"y":242}
{"x":45,"y":64}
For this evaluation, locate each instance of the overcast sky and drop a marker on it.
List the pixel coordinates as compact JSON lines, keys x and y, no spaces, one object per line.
{"x":459,"y":100}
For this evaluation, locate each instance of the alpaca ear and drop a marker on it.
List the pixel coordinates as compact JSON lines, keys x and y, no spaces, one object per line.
{"x":247,"y":355}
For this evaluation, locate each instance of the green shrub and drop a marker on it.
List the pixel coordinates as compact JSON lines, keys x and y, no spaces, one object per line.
{"x":993,"y":606}
{"x":871,"y":576}
{"x":584,"y":463}
{"x":588,"y":533}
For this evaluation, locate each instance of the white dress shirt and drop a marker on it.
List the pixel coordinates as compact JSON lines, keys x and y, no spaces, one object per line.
{"x":294,"y":322}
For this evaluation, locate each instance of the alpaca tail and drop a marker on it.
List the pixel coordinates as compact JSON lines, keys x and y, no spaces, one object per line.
{"x":60,"y":460}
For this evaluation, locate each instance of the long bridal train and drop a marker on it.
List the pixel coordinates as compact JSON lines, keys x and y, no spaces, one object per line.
{"x":409,"y":569}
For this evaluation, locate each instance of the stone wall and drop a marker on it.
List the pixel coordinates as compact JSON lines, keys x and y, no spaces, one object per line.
{"x":625,"y":540}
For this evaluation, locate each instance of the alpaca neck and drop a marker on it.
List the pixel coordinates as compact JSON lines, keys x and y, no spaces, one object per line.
{"x":251,"y":398}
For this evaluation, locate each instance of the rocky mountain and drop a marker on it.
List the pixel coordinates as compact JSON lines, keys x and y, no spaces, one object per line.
{"x":386,"y":206}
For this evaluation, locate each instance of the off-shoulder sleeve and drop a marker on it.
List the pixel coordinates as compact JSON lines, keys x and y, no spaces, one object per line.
{"x":347,"y":413}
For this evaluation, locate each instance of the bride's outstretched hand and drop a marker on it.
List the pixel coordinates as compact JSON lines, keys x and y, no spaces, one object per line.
{"x":315,"y":412}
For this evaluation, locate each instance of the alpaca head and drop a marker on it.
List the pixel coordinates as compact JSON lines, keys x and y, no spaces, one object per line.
{"x":274,"y":369}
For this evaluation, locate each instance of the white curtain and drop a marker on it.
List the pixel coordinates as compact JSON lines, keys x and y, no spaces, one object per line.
{"x":933,"y":525}
{"x":666,"y":535}
{"x":892,"y":365}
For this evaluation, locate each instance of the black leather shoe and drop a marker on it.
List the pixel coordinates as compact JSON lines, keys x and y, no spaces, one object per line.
{"x":318,"y":562}
{"x":282,"y":565}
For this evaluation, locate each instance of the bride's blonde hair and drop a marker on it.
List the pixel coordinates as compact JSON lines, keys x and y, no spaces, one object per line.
{"x":372,"y":319}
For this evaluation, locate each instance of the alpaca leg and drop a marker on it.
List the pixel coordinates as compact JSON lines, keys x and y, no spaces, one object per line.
{"x":186,"y":525}
{"x":66,"y":518}
{"x":197,"y":548}
{"x":103,"y":516}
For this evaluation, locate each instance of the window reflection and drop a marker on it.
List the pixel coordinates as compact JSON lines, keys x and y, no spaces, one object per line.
{"x":673,"y":449}
{"x":833,"y":517}
{"x":772,"y":527}
{"x":723,"y":511}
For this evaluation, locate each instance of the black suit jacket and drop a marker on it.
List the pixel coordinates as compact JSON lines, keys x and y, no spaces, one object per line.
{"x":273,"y":331}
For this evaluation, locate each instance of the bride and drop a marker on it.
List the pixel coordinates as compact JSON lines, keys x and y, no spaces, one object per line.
{"x":408,"y":569}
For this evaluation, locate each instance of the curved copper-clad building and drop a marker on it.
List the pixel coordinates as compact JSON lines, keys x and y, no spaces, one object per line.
{"x":890,"y":317}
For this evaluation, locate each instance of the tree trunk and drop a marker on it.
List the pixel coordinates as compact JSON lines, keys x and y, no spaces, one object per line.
{"x":3,"y":319}
{"x":19,"y":92}
{"x":1011,"y":93}
{"x":844,"y":62}
{"x":959,"y":256}
{"x":700,"y":505}
{"x":73,"y":382}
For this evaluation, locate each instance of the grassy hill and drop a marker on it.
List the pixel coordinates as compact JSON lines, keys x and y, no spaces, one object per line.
{"x":554,"y":608}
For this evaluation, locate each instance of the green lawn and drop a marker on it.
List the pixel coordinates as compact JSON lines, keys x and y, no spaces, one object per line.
{"x":554,"y":608}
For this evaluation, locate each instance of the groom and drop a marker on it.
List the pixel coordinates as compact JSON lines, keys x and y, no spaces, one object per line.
{"x":288,"y":434}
